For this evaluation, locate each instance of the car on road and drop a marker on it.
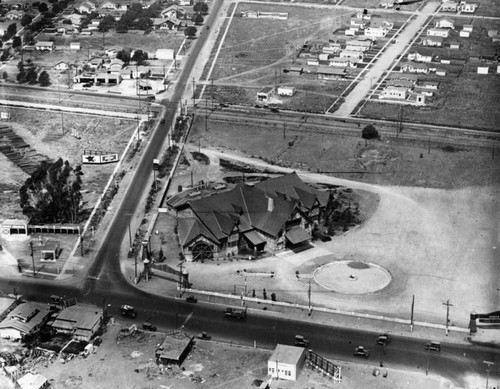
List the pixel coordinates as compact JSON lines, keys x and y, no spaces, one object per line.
{"x":384,"y":340}
{"x":128,"y":311}
{"x":87,"y":85}
{"x":433,"y":346}
{"x":360,"y":351}
{"x":148,"y":327}
{"x":97,"y":341}
{"x":300,"y":341}
{"x":204,"y":336}
{"x":191,"y":299}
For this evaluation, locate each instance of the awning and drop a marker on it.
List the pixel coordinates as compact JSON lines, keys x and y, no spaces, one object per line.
{"x":297,"y":235}
{"x":254,"y":237}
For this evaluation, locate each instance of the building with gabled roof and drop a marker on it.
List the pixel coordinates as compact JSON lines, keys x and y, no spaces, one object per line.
{"x":81,"y":322}
{"x":268,"y":216}
{"x":24,"y":320}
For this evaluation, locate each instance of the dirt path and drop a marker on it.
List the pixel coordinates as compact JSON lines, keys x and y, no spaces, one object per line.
{"x":385,"y":61}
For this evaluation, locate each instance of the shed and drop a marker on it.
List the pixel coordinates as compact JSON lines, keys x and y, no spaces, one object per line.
{"x":50,"y":251}
{"x":265,"y":94}
{"x":286,"y":90}
{"x":14,"y":227}
{"x":286,"y":361}
{"x":174,"y":349}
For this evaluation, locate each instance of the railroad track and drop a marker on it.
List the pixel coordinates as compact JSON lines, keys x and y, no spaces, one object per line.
{"x":325,"y":124}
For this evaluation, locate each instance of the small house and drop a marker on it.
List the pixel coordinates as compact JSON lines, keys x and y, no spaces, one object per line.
{"x":441,"y":72}
{"x":483,"y":69}
{"x":432,"y":85}
{"x":465,"y":7}
{"x":419,"y":57}
{"x":350,"y":32}
{"x":265,"y":94}
{"x":24,"y":320}
{"x":433,"y":41}
{"x":286,"y":362}
{"x":340,"y":62}
{"x":352,"y":55}
{"x":359,"y":45}
{"x":445,"y":23}
{"x":468,"y":27}
{"x":492,"y":33}
{"x":74,"y":46}
{"x":464,"y":34}
{"x":439,"y":32}
{"x":412,"y":67}
{"x":86,"y":7}
{"x":32,"y":381}
{"x":14,"y":15}
{"x":61,"y":66}
{"x":44,"y":46}
{"x":454,"y":45}
{"x":286,"y":91}
{"x":174,"y":349}
{"x":81,"y":322}
{"x":394,"y":92}
{"x":50,"y":251}
{"x":449,"y":6}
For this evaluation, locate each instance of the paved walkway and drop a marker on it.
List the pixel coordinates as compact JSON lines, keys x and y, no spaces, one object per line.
{"x":385,"y":61}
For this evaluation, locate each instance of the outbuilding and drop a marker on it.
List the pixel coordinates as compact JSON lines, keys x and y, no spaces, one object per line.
{"x":286,"y":90}
{"x":286,"y":362}
{"x":174,"y":349}
{"x":14,"y":227}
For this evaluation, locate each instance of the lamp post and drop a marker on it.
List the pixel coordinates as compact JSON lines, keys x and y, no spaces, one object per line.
{"x":488,"y":366}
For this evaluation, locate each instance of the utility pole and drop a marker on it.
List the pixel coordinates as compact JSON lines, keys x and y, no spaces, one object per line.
{"x":412,"y":310}
{"x":309,"y":297}
{"x":448,"y":305}
{"x":212,"y":94}
{"x":206,"y":115}
{"x":488,"y":366}
{"x":135,"y":268}
{"x":81,"y":244}
{"x":194,"y":95}
{"x":284,"y":130}
{"x":32,"y":258}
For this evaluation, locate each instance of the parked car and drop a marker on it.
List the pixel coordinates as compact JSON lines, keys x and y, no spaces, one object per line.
{"x":433,"y":346}
{"x":204,"y":336}
{"x":360,"y":351}
{"x":148,"y":327}
{"x":191,"y":299}
{"x":97,"y":341}
{"x":128,"y":311}
{"x":384,"y":340}
{"x":87,"y":85}
{"x":300,"y":341}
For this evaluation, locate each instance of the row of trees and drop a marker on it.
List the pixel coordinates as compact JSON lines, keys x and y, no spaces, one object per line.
{"x":53,"y":193}
{"x":29,"y":74}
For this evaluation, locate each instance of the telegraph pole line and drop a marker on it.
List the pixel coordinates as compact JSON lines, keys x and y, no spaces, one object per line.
{"x":412,"y":311}
{"x":488,"y":366}
{"x":448,"y":305}
{"x":194,"y":95}
{"x":309,"y":297}
{"x":32,"y":258}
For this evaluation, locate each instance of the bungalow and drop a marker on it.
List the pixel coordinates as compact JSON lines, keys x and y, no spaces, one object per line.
{"x":394,"y":92}
{"x":350,"y":32}
{"x":341,"y":62}
{"x":387,"y":3}
{"x":61,"y":66}
{"x":441,"y":72}
{"x":454,"y":45}
{"x":14,"y":15}
{"x":313,"y":61}
{"x":378,"y":29}
{"x":362,"y":15}
{"x":186,"y":3}
{"x":434,"y":41}
{"x":86,"y":7}
{"x":467,"y":27}
{"x":75,"y":19}
{"x":173,"y":12}
{"x":418,"y":57}
{"x":115,"y":65}
{"x":449,"y":7}
{"x":352,"y":55}
{"x":492,"y":33}
{"x":75,"y":46}
{"x":465,"y":7}
{"x":445,"y":23}
{"x":400,"y":82}
{"x":44,"y":46}
{"x":411,"y":67}
{"x":114,"y":5}
{"x":86,"y":31}
{"x":358,"y":23}
{"x":464,"y":34}
{"x":359,"y":45}
{"x":329,"y":73}
{"x":440,"y":32}
{"x":333,"y":48}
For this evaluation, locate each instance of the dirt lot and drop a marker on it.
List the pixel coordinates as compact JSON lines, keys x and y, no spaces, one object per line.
{"x":384,"y":162}
{"x":129,"y":364}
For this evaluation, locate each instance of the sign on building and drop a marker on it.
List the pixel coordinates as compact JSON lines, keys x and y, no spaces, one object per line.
{"x":98,"y":157}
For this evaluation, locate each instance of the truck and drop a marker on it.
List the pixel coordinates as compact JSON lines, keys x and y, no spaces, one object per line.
{"x":236,"y":313}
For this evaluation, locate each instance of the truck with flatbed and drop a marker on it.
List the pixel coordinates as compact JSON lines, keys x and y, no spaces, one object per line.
{"x":236,"y":313}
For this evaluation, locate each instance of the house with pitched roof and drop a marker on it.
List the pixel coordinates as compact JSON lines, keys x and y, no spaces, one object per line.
{"x":24,"y":320}
{"x":268,"y":216}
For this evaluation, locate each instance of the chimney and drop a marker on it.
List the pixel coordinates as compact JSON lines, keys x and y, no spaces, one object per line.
{"x":270,"y":204}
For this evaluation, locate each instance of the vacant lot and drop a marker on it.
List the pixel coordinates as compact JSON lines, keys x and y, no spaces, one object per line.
{"x":67,"y":136}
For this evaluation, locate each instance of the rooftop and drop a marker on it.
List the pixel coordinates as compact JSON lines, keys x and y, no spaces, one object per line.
{"x":287,"y":354}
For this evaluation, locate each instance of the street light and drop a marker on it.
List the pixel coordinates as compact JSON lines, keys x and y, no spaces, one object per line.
{"x":488,"y":366}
